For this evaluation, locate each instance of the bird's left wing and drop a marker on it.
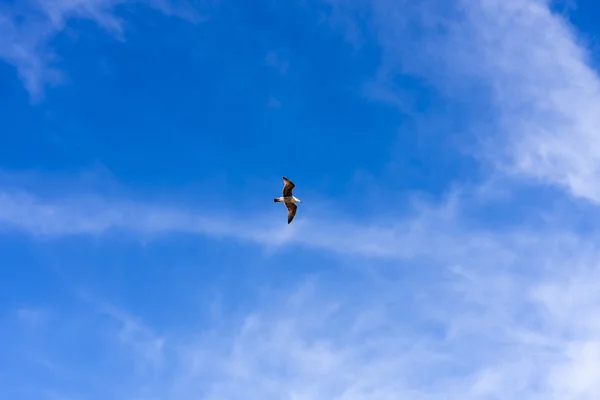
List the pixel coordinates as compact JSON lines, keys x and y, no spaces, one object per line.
{"x":291,"y":211}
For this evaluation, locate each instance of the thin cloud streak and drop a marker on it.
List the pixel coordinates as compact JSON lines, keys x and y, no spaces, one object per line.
{"x":91,"y":215}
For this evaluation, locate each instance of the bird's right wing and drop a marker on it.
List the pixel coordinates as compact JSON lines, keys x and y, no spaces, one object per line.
{"x":291,"y":211}
{"x":288,"y":186}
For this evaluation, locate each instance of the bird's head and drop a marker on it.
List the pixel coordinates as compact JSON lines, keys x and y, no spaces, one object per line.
{"x":297,"y":200}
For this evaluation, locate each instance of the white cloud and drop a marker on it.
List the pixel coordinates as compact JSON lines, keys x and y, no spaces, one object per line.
{"x":28,"y":27}
{"x":503,"y":329}
{"x":488,"y":336}
{"x":94,"y":215}
{"x":545,"y":90}
{"x":519,"y":60}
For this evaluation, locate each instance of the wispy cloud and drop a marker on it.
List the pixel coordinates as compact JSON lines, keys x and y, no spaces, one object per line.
{"x":499,"y":328}
{"x":480,"y":332}
{"x":31,"y":317}
{"x":544,"y":89}
{"x":520,"y":60}
{"x":146,"y":345}
{"x":277,"y":61}
{"x":28,"y":27}
{"x":405,"y":237}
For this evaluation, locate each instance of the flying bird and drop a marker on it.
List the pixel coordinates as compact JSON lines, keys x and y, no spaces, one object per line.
{"x":288,"y":198}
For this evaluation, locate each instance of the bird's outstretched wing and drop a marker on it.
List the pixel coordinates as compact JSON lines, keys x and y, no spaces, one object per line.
{"x":291,"y":211}
{"x":288,"y":186}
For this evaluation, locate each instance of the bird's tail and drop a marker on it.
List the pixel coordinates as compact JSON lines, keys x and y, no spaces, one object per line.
{"x":276,"y":200}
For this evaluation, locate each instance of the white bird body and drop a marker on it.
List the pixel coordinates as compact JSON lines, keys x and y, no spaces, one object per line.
{"x":288,"y":199}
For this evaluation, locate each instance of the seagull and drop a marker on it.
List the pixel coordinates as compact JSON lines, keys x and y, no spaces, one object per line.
{"x":288,"y":198}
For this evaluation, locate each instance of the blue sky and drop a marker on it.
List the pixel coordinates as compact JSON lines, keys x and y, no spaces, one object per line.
{"x":447,"y":155}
